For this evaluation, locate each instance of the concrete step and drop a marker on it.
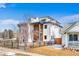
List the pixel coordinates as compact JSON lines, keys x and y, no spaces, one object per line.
{"x":55,"y":46}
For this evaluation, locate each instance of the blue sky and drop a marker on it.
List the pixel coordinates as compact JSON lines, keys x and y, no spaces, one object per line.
{"x":13,"y":13}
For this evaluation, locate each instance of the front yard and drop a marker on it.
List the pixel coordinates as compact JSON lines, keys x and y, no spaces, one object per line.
{"x":18,"y":54}
{"x":52,"y":52}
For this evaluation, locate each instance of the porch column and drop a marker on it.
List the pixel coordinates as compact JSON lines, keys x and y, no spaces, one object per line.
{"x":66,"y":40}
{"x":39,"y":37}
{"x":30,"y":33}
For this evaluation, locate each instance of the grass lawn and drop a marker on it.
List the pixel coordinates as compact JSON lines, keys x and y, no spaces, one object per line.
{"x":52,"y":52}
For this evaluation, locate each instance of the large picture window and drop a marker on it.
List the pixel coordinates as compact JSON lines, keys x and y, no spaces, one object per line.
{"x":73,"y":37}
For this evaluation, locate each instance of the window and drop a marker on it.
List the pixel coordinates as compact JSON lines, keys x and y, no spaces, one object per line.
{"x":73,"y":37}
{"x":45,"y":37}
{"x":45,"y":26}
{"x":70,"y":38}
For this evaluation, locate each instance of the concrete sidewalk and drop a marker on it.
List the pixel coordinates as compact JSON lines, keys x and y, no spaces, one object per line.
{"x":3,"y":49}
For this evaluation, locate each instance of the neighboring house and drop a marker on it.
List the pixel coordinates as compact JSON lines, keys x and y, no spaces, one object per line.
{"x":1,"y":35}
{"x":8,"y":34}
{"x":15,"y":34}
{"x":71,"y":35}
{"x":43,"y":29}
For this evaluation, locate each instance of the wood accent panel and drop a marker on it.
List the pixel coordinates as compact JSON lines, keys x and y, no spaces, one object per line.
{"x":36,"y":32}
{"x":58,"y":41}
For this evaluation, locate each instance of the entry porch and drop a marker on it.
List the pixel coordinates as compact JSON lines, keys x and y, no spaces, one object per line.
{"x":72,"y":40}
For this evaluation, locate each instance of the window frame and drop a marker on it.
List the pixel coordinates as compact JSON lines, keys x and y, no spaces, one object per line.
{"x":45,"y":37}
{"x":70,"y":37}
{"x":73,"y":36}
{"x":45,"y":26}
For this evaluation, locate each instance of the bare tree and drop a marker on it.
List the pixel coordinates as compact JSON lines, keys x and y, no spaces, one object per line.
{"x":17,"y":34}
{"x":27,"y":19}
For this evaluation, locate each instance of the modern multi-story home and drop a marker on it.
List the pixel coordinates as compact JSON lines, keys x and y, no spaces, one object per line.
{"x":40,"y":30}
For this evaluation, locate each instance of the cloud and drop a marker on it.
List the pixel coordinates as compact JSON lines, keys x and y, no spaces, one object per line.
{"x":2,"y":5}
{"x":9,"y":22}
{"x":69,"y":19}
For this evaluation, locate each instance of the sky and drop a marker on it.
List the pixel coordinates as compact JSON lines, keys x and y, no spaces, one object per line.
{"x":13,"y":13}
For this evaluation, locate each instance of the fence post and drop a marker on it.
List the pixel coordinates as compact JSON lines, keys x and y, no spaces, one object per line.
{"x":4,"y":43}
{"x":12,"y":43}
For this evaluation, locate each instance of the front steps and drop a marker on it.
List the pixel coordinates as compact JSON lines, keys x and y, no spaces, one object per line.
{"x":56,"y":46}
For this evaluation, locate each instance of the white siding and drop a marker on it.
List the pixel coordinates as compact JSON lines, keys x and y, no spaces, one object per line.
{"x":57,"y":31}
{"x":46,"y":32}
{"x":52,"y":30}
{"x":74,"y":29}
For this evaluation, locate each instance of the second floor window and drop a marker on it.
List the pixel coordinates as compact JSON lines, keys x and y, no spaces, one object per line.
{"x":45,"y":37}
{"x":45,"y":26}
